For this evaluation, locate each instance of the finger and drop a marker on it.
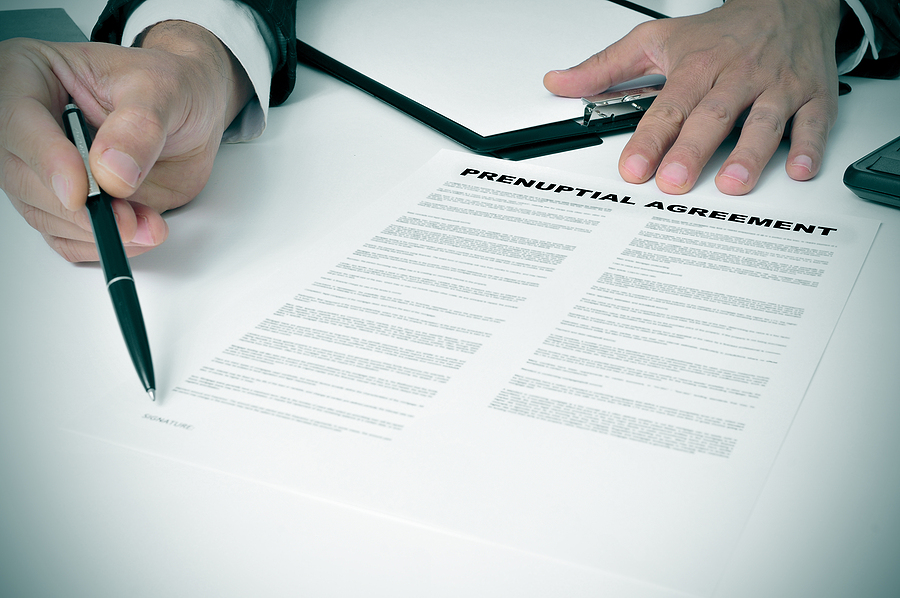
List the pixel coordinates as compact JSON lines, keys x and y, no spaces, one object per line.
{"x":704,"y":129}
{"x":23,"y":184}
{"x":809,"y":134}
{"x":50,"y":224}
{"x":33,"y":136}
{"x":150,"y":228}
{"x":40,"y":208}
{"x":662,"y":125}
{"x":761,"y":134}
{"x":142,"y":229}
{"x":80,"y":251}
{"x":73,"y":250}
{"x":137,"y":224}
{"x":623,"y":61}
{"x":128,"y":142}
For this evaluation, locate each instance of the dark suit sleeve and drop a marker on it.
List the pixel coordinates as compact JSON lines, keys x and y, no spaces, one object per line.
{"x":279,"y":16}
{"x":885,"y":15}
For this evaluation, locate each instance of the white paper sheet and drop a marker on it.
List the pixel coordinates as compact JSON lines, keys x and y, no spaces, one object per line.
{"x":480,"y":64}
{"x":579,"y":368}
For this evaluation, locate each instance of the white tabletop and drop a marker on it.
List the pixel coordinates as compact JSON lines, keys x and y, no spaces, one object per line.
{"x":79,"y":517}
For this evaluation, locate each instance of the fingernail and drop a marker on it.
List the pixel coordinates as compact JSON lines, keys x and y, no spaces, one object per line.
{"x":142,"y":232}
{"x":803,"y":162}
{"x":61,"y":188}
{"x":674,"y":174}
{"x":737,"y":172}
{"x":637,"y":165}
{"x":122,"y":165}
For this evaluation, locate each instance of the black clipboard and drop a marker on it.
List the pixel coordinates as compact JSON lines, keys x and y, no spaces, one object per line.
{"x":513,"y":145}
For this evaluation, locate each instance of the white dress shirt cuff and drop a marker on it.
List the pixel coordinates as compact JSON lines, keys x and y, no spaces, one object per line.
{"x":868,"y":42}
{"x":238,"y":27}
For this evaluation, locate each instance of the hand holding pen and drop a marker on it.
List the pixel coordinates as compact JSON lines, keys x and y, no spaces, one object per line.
{"x":161,"y":111}
{"x":156,"y":146}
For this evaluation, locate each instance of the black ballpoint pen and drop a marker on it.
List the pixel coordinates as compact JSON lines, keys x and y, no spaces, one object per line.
{"x":113,"y":260}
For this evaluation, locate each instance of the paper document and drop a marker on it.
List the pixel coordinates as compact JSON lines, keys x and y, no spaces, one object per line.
{"x":575,"y":367}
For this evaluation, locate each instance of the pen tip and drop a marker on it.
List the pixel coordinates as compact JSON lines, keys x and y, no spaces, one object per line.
{"x":152,"y":394}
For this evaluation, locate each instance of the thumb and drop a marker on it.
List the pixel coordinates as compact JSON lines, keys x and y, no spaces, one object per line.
{"x":622,"y":61}
{"x":127,"y":145}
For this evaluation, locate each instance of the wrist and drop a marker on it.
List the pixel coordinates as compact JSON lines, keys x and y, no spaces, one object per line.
{"x":209,"y":54}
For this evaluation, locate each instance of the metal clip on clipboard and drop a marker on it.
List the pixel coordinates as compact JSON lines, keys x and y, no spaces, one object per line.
{"x":627,"y":104}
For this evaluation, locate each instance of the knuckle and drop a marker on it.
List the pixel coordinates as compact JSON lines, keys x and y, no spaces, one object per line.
{"x":765,"y":121}
{"x":20,"y":182}
{"x":716,"y":112}
{"x":750,"y":156}
{"x":596,"y":60}
{"x":7,"y":170}
{"x":688,"y":151}
{"x":7,"y":118}
{"x":65,"y":248}
{"x":810,"y":133}
{"x":668,"y":113}
{"x":143,"y":121}
{"x":812,"y":147}
{"x":36,"y":219}
{"x":811,"y":124}
{"x":648,"y":144}
{"x":648,"y":29}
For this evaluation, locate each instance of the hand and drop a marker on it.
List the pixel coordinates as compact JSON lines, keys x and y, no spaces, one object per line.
{"x":775,"y":57}
{"x":161,"y":111}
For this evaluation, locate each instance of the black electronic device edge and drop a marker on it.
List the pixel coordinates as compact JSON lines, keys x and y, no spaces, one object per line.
{"x":876,"y":176}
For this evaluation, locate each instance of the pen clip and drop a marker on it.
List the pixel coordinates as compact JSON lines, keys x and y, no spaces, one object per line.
{"x":77,"y":131}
